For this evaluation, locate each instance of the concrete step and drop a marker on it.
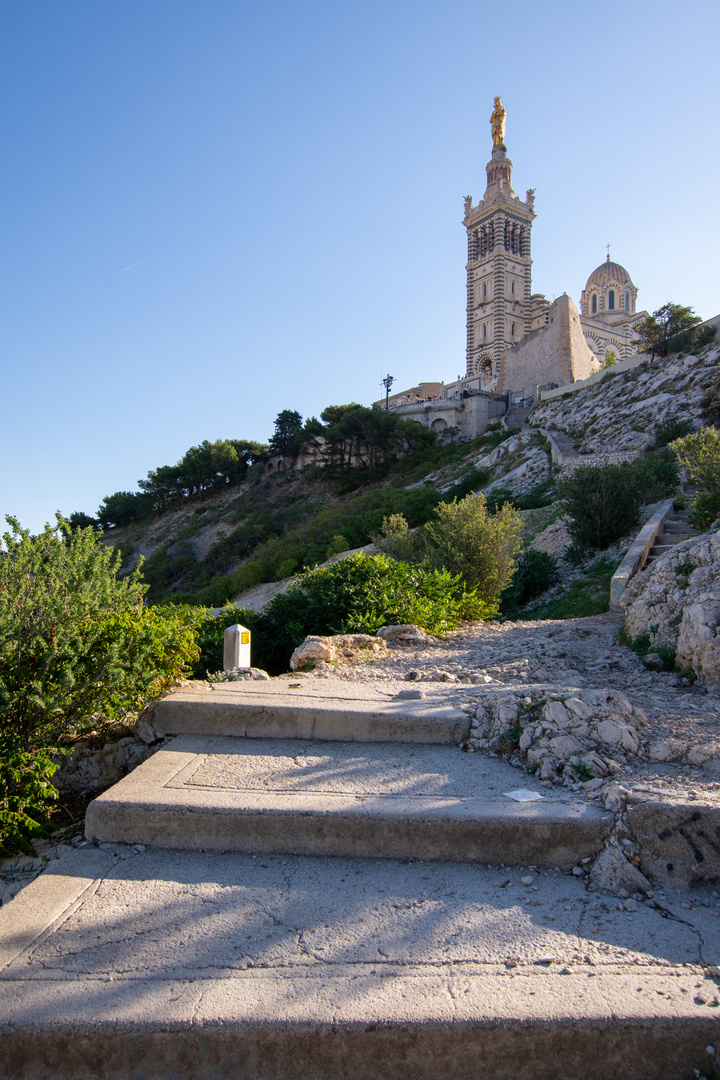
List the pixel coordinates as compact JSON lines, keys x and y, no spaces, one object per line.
{"x":333,"y":798}
{"x":117,"y":964}
{"x":674,"y":537}
{"x":297,"y":709}
{"x":659,"y":549}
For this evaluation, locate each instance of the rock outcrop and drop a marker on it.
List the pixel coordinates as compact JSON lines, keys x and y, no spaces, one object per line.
{"x":676,"y":601}
{"x":336,"y":649}
{"x":620,"y":413}
{"x":561,"y":734}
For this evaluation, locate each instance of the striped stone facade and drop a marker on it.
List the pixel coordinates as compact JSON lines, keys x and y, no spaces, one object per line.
{"x":501,"y":307}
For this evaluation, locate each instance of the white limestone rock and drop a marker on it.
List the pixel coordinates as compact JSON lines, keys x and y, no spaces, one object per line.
{"x":405,"y":634}
{"x":560,"y":737}
{"x":611,"y":871}
{"x":337,"y":648}
{"x":679,"y":596}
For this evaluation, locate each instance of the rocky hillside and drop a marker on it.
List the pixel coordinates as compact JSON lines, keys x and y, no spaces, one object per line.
{"x":268,"y":527}
{"x":621,"y":411}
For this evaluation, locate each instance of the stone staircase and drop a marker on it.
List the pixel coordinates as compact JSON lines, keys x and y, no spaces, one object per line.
{"x":518,"y":417}
{"x":278,"y":767}
{"x":311,"y":880}
{"x":674,"y":532}
{"x":564,"y":443}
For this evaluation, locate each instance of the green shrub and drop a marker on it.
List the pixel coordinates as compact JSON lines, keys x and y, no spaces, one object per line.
{"x":587,"y":595}
{"x":359,"y":595}
{"x":469,"y":482}
{"x":699,"y":452}
{"x":536,"y":498}
{"x":656,"y":474}
{"x":705,"y":509}
{"x":669,"y":430}
{"x":27,"y":796}
{"x":711,"y":405}
{"x":397,"y":540}
{"x":535,"y":573}
{"x":479,"y":547}
{"x":668,"y":655}
{"x":337,"y":545}
{"x":75,"y":640}
{"x":497,"y":498}
{"x":602,"y":504}
{"x":464,"y":539}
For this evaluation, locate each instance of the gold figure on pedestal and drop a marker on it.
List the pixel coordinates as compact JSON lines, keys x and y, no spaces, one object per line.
{"x":497,"y":121}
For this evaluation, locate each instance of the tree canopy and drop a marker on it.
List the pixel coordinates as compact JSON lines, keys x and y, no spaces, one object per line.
{"x":346,"y":437}
{"x":656,"y":333}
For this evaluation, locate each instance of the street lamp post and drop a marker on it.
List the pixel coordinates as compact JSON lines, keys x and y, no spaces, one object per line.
{"x":387,"y":383}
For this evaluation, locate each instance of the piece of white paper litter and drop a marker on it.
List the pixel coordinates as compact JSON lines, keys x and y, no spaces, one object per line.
{"x":523,"y":795}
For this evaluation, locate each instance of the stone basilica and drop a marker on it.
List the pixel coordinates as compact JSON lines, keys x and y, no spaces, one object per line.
{"x":517,"y":341}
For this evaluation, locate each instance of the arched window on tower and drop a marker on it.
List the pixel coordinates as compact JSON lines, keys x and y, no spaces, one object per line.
{"x":627,"y":301}
{"x":484,"y":331}
{"x":594,"y":304}
{"x":512,"y":330}
{"x":611,"y":300}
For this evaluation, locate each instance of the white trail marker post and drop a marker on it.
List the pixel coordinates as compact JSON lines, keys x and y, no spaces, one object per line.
{"x":236,"y":647}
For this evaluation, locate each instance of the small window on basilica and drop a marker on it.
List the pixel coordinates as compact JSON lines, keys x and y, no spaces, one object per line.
{"x":512,"y":331}
{"x":627,"y":301}
{"x":512,"y":286}
{"x":484,"y":289}
{"x":611,"y":300}
{"x":594,"y":304}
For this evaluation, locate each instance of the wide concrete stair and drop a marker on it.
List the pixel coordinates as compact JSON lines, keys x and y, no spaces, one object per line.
{"x":334,"y":771}
{"x":311,"y":881}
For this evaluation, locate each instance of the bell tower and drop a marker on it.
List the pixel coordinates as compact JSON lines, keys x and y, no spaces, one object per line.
{"x":499,"y":288}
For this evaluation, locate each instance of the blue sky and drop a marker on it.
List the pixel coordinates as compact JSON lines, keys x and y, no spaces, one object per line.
{"x":214,"y":210}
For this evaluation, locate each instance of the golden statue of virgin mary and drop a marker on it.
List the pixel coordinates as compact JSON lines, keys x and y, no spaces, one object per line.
{"x":497,"y":122}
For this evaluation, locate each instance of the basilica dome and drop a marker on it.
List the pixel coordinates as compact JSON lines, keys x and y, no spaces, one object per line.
{"x":608,"y":272}
{"x":609,"y":294}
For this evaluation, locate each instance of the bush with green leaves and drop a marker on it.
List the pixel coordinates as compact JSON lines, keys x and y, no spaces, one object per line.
{"x":480,"y":547}
{"x":77,"y":648}
{"x":75,"y":639}
{"x":27,"y":796}
{"x":588,"y":594}
{"x":669,"y":430}
{"x":535,"y":573}
{"x":463,"y":538}
{"x":358,"y":595}
{"x":711,"y":405}
{"x":534,"y":499}
{"x":655,"y":474}
{"x":602,"y":504}
{"x":699,"y":452}
{"x":497,"y":498}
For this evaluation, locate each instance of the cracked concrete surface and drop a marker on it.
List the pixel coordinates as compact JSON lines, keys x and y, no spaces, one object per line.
{"x":267,"y":954}
{"x":168,"y":914}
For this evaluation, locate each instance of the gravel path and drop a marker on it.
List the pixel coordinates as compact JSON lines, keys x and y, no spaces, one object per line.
{"x":580,"y":653}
